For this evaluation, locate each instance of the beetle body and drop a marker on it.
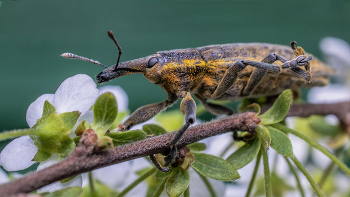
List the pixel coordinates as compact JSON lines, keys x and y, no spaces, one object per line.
{"x":217,"y":72}
{"x":199,"y":70}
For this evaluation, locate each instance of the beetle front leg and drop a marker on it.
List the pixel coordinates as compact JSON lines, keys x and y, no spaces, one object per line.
{"x":188,"y":108}
{"x":147,"y":112}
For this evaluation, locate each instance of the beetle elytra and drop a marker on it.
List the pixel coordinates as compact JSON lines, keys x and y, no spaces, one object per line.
{"x":217,"y":72}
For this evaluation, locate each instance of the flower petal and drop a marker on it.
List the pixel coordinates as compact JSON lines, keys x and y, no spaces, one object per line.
{"x":121,"y":171}
{"x":120,"y":95}
{"x":18,"y":154}
{"x":77,"y":93}
{"x":35,"y":109}
{"x":77,"y":181}
{"x":337,"y":48}
{"x":3,"y":177}
{"x":329,"y":94}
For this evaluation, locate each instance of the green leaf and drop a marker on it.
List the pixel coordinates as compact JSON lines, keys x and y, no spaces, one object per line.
{"x":319,"y":125}
{"x":69,"y":119}
{"x":177,"y":182}
{"x":245,"y":154}
{"x":153,"y":129}
{"x":197,"y":147}
{"x":66,"y":192}
{"x":214,"y":167}
{"x":280,"y":142}
{"x":161,"y":175}
{"x":187,"y":161}
{"x":264,"y":136}
{"x":278,"y":110}
{"x":81,"y":128}
{"x":41,"y":156}
{"x":126,"y":137}
{"x":76,"y":140}
{"x":105,"y":112}
{"x":48,"y":109}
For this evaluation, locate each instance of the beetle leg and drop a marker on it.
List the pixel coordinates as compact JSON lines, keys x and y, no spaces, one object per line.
{"x":214,"y":108}
{"x":188,"y":108}
{"x":147,"y":112}
{"x":292,"y":64}
{"x":155,"y":162}
{"x":259,"y":73}
{"x":228,"y":79}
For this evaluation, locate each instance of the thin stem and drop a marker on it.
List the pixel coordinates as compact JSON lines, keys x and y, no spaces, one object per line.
{"x":315,"y":145}
{"x":301,"y":190}
{"x":137,"y":181}
{"x":207,"y":183}
{"x":329,"y":169}
{"x":313,"y":183}
{"x":187,"y":192}
{"x":250,"y":187}
{"x":16,"y":133}
{"x":91,"y":182}
{"x":268,"y":187}
{"x":160,"y":188}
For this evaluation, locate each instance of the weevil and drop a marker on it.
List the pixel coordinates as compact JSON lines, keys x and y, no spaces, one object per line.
{"x":216,"y":72}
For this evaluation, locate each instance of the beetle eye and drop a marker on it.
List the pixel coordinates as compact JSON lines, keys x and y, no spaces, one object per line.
{"x":152,"y":62}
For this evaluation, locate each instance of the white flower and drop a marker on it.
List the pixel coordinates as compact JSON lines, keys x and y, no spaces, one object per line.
{"x":120,"y":95}
{"x":77,"y":93}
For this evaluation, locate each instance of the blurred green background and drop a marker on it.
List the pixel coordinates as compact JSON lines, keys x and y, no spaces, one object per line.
{"x":34,"y":33}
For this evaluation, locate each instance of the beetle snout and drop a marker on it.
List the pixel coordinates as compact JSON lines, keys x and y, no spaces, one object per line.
{"x":103,"y":77}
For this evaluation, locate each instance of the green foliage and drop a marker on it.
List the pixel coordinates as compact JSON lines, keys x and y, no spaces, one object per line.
{"x":126,"y":137}
{"x":214,"y":167}
{"x":245,"y":154}
{"x":319,"y":125}
{"x":52,"y":132}
{"x":153,"y":129}
{"x":280,"y":142}
{"x":41,"y":156}
{"x":105,"y":113}
{"x":197,"y":147}
{"x":264,"y":136}
{"x":67,"y":192}
{"x":278,"y":110}
{"x":280,"y":186}
{"x":177,"y":182}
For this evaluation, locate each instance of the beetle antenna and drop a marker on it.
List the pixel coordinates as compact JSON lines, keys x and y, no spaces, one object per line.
{"x":111,"y":35}
{"x":73,"y":56}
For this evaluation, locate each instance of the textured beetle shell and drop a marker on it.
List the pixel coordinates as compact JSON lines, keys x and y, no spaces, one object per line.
{"x":199,"y":70}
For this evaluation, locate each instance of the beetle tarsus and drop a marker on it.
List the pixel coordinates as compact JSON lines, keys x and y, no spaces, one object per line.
{"x":155,"y":162}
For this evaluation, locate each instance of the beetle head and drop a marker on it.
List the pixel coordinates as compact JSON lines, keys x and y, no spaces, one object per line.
{"x":144,"y":65}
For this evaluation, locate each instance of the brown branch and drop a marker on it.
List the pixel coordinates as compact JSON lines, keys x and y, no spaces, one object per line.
{"x":86,"y":157}
{"x":341,"y":110}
